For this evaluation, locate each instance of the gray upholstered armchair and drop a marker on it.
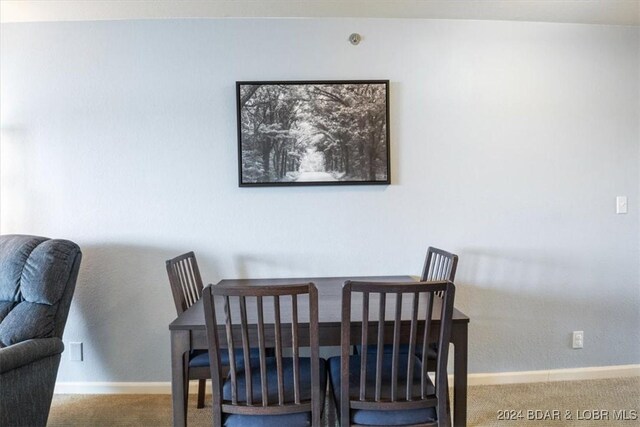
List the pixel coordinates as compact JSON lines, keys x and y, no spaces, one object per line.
{"x":37,"y":280}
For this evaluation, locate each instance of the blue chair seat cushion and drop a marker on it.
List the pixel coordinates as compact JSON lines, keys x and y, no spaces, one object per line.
{"x":200,"y":358}
{"x":302,"y":419}
{"x":386,"y":417}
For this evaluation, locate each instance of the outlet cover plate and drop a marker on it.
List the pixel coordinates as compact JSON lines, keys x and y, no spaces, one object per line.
{"x":578,"y":339}
{"x":75,"y":351}
{"x":622,"y":206}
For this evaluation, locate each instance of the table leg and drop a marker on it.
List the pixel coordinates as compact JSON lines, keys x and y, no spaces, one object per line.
{"x":459,"y":338}
{"x":179,"y":346}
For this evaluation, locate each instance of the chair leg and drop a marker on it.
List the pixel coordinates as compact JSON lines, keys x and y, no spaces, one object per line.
{"x":448,"y":400}
{"x":186,"y":388}
{"x":201,"y":386}
{"x":447,"y":407}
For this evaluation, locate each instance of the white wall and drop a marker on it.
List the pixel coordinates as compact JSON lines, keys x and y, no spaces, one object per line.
{"x":510,"y":142}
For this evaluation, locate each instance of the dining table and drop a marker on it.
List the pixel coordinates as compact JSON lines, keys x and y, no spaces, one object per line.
{"x":188,"y":333}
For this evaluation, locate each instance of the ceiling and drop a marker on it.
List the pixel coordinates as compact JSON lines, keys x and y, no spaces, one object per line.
{"x":606,"y":12}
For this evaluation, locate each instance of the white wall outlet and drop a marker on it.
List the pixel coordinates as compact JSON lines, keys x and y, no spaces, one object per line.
{"x":75,"y":351}
{"x":621,"y":205}
{"x":578,"y":339}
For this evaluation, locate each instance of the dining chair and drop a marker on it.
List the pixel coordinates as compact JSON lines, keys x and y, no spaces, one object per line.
{"x":438,"y":265}
{"x":264,"y":391}
{"x":186,"y":287}
{"x":393,"y":389}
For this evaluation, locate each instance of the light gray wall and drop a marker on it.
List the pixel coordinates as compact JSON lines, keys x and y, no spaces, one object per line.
{"x":510,"y":142}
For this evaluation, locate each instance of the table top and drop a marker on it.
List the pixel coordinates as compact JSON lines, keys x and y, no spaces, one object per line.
{"x":329,"y":299}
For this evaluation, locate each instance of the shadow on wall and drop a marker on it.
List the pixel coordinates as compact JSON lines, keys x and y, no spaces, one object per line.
{"x":121,"y":311}
{"x":250,"y":266}
{"x":523,"y":309}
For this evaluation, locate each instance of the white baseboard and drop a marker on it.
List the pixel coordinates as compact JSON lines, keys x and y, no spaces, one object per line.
{"x":572,"y":374}
{"x":592,"y":373}
{"x":115,"y":387}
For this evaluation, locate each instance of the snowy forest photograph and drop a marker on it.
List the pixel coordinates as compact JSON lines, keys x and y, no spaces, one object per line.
{"x":313,"y":133}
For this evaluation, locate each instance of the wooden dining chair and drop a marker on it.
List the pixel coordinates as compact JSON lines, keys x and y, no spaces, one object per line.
{"x":186,"y":287}
{"x":438,"y":265}
{"x":393,"y":389}
{"x":264,"y":391}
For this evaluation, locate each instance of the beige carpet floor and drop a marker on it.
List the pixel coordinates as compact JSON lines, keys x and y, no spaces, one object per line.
{"x":580,"y":398}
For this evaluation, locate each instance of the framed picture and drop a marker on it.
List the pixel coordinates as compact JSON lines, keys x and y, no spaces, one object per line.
{"x":313,"y":132}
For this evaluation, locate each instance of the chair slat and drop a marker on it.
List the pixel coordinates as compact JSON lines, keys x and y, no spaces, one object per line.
{"x":439,"y":264}
{"x":190,"y":281}
{"x":412,"y":345}
{"x":396,"y":348}
{"x":445,"y":269}
{"x":363,"y":345}
{"x":196,"y":273}
{"x":261,"y":349}
{"x":314,"y":344}
{"x":176,"y":271}
{"x":231,"y":349}
{"x":278,"y":339}
{"x":380,"y":353}
{"x":443,"y":351}
{"x":295,"y":349}
{"x":185,"y":283}
{"x":246,"y":352}
{"x":183,"y":288}
{"x":425,"y":345}
{"x":431,"y":267}
{"x":345,"y":350}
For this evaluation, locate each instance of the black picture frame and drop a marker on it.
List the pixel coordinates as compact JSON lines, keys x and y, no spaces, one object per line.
{"x":340,"y":137}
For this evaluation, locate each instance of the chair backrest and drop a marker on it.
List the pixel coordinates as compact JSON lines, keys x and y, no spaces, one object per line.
{"x":429,"y":317}
{"x":37,"y":281}
{"x":185,"y":280}
{"x":439,"y":265}
{"x":251,"y":329}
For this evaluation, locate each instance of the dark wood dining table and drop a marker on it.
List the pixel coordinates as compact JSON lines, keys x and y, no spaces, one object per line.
{"x":188,"y":332}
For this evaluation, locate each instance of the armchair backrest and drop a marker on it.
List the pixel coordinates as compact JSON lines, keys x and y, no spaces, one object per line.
{"x":37,"y":280}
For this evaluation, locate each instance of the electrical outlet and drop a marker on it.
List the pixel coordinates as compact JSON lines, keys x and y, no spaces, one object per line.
{"x":75,"y":351}
{"x":621,"y":205}
{"x":578,"y":339}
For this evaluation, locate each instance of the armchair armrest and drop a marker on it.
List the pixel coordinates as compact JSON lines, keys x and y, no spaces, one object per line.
{"x":25,"y":352}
